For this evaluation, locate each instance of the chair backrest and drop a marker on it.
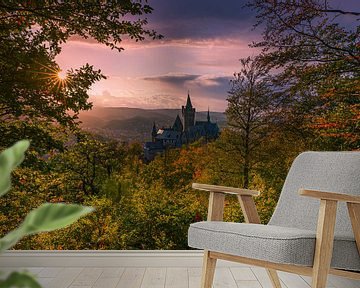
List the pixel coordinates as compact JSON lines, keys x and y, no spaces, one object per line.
{"x":325,"y":171}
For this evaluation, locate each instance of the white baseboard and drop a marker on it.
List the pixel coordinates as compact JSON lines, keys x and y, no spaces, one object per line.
{"x":105,"y":258}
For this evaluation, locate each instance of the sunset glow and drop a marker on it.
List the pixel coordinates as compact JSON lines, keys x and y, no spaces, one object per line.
{"x":200,"y":52}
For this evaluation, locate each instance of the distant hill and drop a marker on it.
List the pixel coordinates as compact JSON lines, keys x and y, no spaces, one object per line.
{"x":135,"y":124}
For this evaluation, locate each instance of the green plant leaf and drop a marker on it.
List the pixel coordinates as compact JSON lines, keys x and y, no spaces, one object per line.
{"x":47,"y":217}
{"x":11,"y":238}
{"x":19,"y":279}
{"x":9,"y":160}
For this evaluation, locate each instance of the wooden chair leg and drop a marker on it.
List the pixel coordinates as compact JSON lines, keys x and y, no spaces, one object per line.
{"x":251,"y":216}
{"x":274,"y":278}
{"x":208,"y":270}
{"x":324,"y":243}
{"x":354,"y":212}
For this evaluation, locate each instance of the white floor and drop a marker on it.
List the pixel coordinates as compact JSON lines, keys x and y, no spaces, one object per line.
{"x":150,"y":270}
{"x":170,"y":277}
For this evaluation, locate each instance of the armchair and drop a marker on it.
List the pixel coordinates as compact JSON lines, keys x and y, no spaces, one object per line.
{"x":312,"y":232}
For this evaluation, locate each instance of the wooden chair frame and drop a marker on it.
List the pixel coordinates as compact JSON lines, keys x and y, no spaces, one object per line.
{"x":324,"y":235}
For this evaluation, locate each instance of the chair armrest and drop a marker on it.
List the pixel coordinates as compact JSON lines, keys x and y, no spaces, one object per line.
{"x":217,"y":197}
{"x":323,"y":195}
{"x":224,"y":189}
{"x":327,"y":219}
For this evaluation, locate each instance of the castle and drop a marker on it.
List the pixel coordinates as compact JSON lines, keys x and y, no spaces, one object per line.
{"x":181,"y":132}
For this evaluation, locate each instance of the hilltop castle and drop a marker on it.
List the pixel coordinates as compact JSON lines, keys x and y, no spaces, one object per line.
{"x":181,"y":132}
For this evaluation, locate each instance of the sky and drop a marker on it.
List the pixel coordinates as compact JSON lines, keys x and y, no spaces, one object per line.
{"x":203,"y":42}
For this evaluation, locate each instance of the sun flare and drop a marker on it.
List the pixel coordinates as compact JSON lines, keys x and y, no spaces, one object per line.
{"x":58,"y":79}
{"x":61,"y":75}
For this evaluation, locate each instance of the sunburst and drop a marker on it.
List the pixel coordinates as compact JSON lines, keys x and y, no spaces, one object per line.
{"x":62,"y":75}
{"x":57,"y":77}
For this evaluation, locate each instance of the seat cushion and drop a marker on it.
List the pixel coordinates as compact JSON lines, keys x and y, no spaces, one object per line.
{"x":270,"y":243}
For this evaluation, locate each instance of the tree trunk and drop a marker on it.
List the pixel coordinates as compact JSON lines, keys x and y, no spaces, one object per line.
{"x":247,"y":153}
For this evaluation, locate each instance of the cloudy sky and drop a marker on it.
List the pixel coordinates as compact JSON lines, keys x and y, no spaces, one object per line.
{"x":204,"y":39}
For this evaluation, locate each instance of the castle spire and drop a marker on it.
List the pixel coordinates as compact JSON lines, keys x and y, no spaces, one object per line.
{"x":188,"y":102}
{"x":154,"y":132}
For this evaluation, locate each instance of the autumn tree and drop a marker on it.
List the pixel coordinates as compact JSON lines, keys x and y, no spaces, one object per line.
{"x":158,"y":218}
{"x":88,"y":163}
{"x":315,"y":49}
{"x":253,"y":108}
{"x":32,"y":95}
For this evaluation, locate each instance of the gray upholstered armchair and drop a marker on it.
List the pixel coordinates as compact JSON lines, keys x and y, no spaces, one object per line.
{"x":314,"y":231}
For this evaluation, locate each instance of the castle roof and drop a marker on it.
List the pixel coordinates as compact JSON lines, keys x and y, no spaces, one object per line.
{"x":177,"y":126}
{"x":211,"y":129}
{"x":204,"y":129}
{"x":168,"y":134}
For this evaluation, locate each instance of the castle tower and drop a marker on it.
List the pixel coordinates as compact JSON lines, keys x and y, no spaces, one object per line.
{"x":208,"y":115}
{"x":188,"y":113}
{"x":153,"y":133}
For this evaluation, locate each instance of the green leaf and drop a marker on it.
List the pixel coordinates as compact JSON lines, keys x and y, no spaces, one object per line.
{"x":11,"y":238}
{"x":9,"y":160}
{"x":47,"y":217}
{"x":19,"y":279}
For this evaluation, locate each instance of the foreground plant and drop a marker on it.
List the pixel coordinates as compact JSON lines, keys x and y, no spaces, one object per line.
{"x":47,"y":217}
